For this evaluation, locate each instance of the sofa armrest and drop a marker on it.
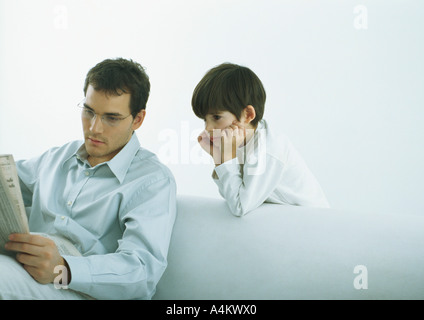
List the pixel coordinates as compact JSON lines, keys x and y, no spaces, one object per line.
{"x":289,"y":252}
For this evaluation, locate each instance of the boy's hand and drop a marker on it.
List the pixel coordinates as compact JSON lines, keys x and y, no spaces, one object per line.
{"x":222,"y":144}
{"x":39,"y":255}
{"x":232,"y":138}
{"x":211,"y":145}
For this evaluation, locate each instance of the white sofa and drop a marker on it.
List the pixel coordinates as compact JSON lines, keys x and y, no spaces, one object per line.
{"x":288,"y":252}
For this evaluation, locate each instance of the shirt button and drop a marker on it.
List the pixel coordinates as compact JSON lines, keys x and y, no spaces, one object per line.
{"x":62,"y":217}
{"x":69,"y":203}
{"x":87,"y":173}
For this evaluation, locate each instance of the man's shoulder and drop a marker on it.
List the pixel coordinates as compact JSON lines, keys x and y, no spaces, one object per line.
{"x":56,"y":153}
{"x":65,"y":151}
{"x":147,"y":163}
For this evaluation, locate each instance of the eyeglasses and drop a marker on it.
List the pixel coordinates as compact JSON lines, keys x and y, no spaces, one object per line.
{"x":107,"y":119}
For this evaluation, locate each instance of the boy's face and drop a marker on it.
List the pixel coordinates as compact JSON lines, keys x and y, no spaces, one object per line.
{"x":215,"y":122}
{"x":219,"y":120}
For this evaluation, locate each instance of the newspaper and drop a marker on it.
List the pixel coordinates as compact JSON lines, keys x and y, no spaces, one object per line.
{"x":13,"y":218}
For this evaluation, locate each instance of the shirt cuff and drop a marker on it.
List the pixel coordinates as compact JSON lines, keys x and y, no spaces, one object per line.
{"x":228,"y":167}
{"x":80,"y":273}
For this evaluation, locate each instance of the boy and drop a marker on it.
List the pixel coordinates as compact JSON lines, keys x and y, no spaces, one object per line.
{"x":252,"y":166}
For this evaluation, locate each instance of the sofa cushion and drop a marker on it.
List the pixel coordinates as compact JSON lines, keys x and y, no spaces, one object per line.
{"x":289,"y":252}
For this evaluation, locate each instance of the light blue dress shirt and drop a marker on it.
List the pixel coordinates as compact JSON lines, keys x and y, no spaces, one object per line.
{"x":119,"y":214}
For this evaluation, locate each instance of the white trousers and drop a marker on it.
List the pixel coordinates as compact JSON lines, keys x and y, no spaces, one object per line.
{"x":17,"y":284}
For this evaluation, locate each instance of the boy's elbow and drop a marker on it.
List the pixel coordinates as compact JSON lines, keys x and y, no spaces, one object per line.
{"x":239,"y":211}
{"x":238,"y":214}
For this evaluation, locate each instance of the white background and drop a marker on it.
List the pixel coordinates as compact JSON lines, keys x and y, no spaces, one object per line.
{"x":350,"y":99}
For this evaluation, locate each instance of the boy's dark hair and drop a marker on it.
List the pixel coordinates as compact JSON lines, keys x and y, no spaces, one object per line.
{"x":229,"y":87}
{"x":118,"y":76}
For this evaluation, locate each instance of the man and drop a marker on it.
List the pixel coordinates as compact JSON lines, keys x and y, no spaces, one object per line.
{"x":111,"y":198}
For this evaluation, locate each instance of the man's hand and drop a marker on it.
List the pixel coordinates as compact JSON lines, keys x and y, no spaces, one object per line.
{"x":38,"y":255}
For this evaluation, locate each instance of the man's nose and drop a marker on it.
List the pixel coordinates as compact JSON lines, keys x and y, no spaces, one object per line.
{"x":96,"y":124}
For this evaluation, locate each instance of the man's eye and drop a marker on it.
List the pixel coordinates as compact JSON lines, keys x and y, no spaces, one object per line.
{"x":88,"y":112}
{"x":112,"y":119}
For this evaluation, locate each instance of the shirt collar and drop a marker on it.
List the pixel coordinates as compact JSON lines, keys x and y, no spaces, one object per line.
{"x":250,"y":146}
{"x":119,"y":164}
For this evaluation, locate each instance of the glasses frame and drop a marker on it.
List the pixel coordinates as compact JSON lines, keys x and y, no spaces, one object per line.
{"x":81,"y":105}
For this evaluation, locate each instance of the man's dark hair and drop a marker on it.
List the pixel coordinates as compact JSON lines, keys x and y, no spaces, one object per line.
{"x":118,"y":76}
{"x":229,"y":87}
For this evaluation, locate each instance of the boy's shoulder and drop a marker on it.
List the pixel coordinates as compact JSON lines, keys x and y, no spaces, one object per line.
{"x":276,"y":144}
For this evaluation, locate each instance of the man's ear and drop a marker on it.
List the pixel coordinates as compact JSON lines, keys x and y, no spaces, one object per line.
{"x":138,"y":120}
{"x":249,"y":114}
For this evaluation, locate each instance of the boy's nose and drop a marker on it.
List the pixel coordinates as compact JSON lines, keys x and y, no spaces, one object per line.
{"x":209,"y":127}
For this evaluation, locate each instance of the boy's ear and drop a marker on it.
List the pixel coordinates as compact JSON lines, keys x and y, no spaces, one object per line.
{"x":249,"y":114}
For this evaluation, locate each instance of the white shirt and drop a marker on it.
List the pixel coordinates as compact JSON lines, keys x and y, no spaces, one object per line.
{"x":267,"y":169}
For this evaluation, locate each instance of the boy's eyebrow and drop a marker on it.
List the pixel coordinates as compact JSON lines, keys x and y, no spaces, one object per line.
{"x":107,"y":113}
{"x":214,"y":113}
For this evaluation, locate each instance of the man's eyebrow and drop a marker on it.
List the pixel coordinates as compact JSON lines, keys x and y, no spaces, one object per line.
{"x":116,"y":114}
{"x":87,"y":106}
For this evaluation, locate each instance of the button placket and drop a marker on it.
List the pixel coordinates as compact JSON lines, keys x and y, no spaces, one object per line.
{"x":76,"y":189}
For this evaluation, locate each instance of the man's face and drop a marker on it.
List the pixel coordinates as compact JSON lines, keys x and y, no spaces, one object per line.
{"x":103,"y":141}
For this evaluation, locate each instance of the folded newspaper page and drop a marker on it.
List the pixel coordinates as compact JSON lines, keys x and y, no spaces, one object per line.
{"x":13,"y":218}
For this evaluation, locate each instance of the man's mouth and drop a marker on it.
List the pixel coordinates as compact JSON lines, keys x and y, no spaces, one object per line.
{"x":95,"y":141}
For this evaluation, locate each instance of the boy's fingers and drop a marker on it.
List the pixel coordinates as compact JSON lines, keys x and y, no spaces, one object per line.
{"x":228,"y":132}
{"x":203,"y":133}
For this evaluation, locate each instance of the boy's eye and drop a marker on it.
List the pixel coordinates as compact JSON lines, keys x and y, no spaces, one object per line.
{"x":216,"y":117}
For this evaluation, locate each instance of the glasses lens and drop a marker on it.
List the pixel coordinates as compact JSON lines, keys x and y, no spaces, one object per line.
{"x":111,"y":120}
{"x":87,"y":113}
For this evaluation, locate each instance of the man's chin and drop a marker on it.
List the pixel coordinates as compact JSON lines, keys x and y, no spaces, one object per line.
{"x":94,"y":150}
